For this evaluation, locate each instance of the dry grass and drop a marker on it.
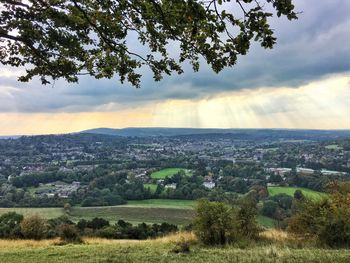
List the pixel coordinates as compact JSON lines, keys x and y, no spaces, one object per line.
{"x":23,"y":243}
{"x":273,"y":237}
{"x":276,"y":235}
{"x":20,"y":243}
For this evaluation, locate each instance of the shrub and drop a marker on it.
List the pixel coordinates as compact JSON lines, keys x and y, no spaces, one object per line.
{"x":69,"y":234}
{"x":67,"y":207}
{"x":108,"y":232}
{"x":245,"y":220}
{"x":269,"y":208}
{"x":10,"y":225}
{"x":213,"y":223}
{"x":97,"y":223}
{"x":181,"y":246}
{"x":218,"y":223}
{"x":327,"y":220}
{"x":34,"y":227}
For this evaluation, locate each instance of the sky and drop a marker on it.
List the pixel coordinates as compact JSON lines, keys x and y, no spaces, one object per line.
{"x":303,"y":82}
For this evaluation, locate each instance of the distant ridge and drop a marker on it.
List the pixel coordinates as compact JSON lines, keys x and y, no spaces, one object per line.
{"x":251,"y":133}
{"x":146,"y":132}
{"x":10,"y":137}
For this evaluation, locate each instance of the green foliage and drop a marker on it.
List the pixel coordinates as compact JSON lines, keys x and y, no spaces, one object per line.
{"x":219,"y":223}
{"x":246,"y":219}
{"x":10,"y":225}
{"x":125,"y":230}
{"x":214,"y":222}
{"x":66,"y":39}
{"x":97,"y":223}
{"x":69,"y":234}
{"x":34,"y":227}
{"x":269,"y":208}
{"x":327,"y":220}
{"x":181,"y":246}
{"x":298,"y":195}
{"x":67,"y":207}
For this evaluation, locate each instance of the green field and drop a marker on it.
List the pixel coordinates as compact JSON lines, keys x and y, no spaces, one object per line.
{"x":333,"y":147}
{"x":274,"y":190}
{"x":47,"y":213}
{"x":161,"y":203}
{"x":169,"y":172}
{"x":152,"y":187}
{"x":178,"y":212}
{"x":135,"y":215}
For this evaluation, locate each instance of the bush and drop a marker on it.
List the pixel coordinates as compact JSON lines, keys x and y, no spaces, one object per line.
{"x":218,"y":223}
{"x":213,"y":223}
{"x":10,"y":225}
{"x":327,"y":220}
{"x":108,"y":232}
{"x":245,"y":218}
{"x":97,"y":223}
{"x":269,"y":208}
{"x":69,"y":234}
{"x":182,"y":246}
{"x":34,"y":227}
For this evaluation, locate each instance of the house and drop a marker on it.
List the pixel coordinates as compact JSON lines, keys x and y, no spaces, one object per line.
{"x":76,"y":184}
{"x":172,"y":186}
{"x":305,"y":170}
{"x":209,"y":185}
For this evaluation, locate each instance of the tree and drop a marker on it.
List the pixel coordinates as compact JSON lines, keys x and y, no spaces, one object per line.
{"x":213,"y":223}
{"x":67,"y":207}
{"x":298,"y":195}
{"x":246,"y":219}
{"x":34,"y":227}
{"x":69,"y":233}
{"x":327,"y":220}
{"x":269,"y":208}
{"x":10,"y":225}
{"x":217,"y":223}
{"x":67,"y":39}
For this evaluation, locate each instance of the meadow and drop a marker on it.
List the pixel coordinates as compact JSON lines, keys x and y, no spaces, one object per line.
{"x":152,"y":187}
{"x":277,"y":247}
{"x":333,"y":147}
{"x":179,"y":212}
{"x":274,"y":190}
{"x":169,"y":172}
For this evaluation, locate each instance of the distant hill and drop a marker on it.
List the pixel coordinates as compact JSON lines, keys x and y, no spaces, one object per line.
{"x":146,"y":132}
{"x":9,"y":137}
{"x":237,"y":133}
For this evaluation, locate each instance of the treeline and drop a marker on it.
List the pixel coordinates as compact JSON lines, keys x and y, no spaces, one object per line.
{"x":15,"y":226}
{"x":322,"y":223}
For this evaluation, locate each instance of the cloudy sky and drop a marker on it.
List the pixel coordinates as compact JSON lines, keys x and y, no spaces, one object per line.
{"x":304,"y":82}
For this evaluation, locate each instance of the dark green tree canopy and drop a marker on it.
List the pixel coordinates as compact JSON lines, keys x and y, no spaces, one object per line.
{"x":65,"y":39}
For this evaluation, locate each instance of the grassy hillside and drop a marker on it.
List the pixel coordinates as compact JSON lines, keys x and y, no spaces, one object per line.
{"x":168,"y":172}
{"x":274,"y":190}
{"x":276,"y":250}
